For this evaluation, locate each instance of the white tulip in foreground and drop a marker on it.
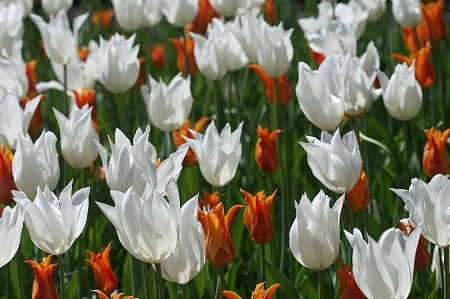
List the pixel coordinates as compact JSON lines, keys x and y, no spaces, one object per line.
{"x":188,"y":258}
{"x":384,"y":269}
{"x":11,"y":223}
{"x":314,"y":238}
{"x":149,"y":226}
{"x":54,"y":223}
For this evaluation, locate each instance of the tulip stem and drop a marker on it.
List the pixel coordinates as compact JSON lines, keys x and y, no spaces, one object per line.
{"x":220,"y":115}
{"x":64,"y":103}
{"x":19,"y":277}
{"x":80,"y":244}
{"x":121,"y":109}
{"x":222,"y":280}
{"x":159,"y":280}
{"x":407,"y":140}
{"x":62,"y":284}
{"x":146,"y":281}
{"x":263,"y":262}
{"x":185,"y":291}
{"x":446,"y":273}
{"x":185,"y":59}
{"x":167,"y":144}
{"x":321,"y":285}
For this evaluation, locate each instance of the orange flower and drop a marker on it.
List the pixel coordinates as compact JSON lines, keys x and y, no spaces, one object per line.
{"x":270,"y":11}
{"x":141,"y":76}
{"x":349,"y":289}
{"x":30,"y":69}
{"x":101,"y":295}
{"x":43,"y":286}
{"x":83,"y":53}
{"x":102,"y":17}
{"x":284,"y":89}
{"x":190,"y":159}
{"x":87,"y":97}
{"x":179,"y":46}
{"x":258,"y":293}
{"x":266,"y":150}
{"x":317,"y":57}
{"x":434,"y":153}
{"x":209,"y":201}
{"x":157,"y":55}
{"x":433,"y":19}
{"x":37,"y":121}
{"x":6,"y":177}
{"x":423,"y":257}
{"x":103,"y":272}
{"x":359,"y":194}
{"x":204,"y":16}
{"x":423,"y":69}
{"x":218,"y":246}
{"x":257,"y":216}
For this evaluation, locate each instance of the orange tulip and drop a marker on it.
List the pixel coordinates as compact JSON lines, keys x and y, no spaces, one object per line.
{"x":317,"y":57}
{"x":349,"y":289}
{"x":102,"y":17}
{"x":258,"y":293}
{"x":157,"y":55}
{"x":218,"y":246}
{"x":43,"y":287}
{"x":433,"y":19}
{"x":423,"y":69}
{"x":83,"y":53}
{"x":103,"y":272}
{"x":179,"y":46}
{"x":270,"y":11}
{"x":190,"y":159}
{"x":37,"y":121}
{"x":87,"y":97}
{"x":209,"y":201}
{"x":101,"y":295}
{"x":6,"y":177}
{"x":434,"y":153}
{"x":284,"y":88}
{"x":423,"y":257}
{"x":204,"y":16}
{"x":359,"y":194}
{"x":30,"y":70}
{"x":257,"y":216}
{"x":141,"y":80}
{"x":266,"y":150}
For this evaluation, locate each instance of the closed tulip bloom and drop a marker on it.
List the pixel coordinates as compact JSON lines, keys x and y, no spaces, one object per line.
{"x":434,"y":20}
{"x":314,"y":236}
{"x":179,"y":12}
{"x":6,"y":176}
{"x":152,"y":14}
{"x":266,"y":155}
{"x":402,"y":94}
{"x":119,"y":64}
{"x":149,"y":226}
{"x":275,"y":50}
{"x":188,"y":258}
{"x":319,"y":104}
{"x":14,"y":119}
{"x":217,"y":227}
{"x":128,"y":13}
{"x":335,"y":162}
{"x":207,"y":53}
{"x":284,"y":89}
{"x":218,"y":155}
{"x":36,"y":165}
{"x":257,"y":216}
{"x":55,"y":223}
{"x":359,"y":195}
{"x":60,"y":42}
{"x":227,"y":8}
{"x":435,"y":153}
{"x":11,"y":26}
{"x":375,"y":8}
{"x":423,"y":257}
{"x":384,"y":269}
{"x":11,"y":223}
{"x":407,"y":13}
{"x":426,"y":204}
{"x":168,"y":106}
{"x":43,"y":286}
{"x":258,"y":293}
{"x":77,"y":136}
{"x":103,"y":273}
{"x":52,"y":7}
{"x":181,"y":59}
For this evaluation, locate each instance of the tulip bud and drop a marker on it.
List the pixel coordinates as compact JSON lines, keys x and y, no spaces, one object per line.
{"x":407,"y":13}
{"x":6,"y":176}
{"x":179,"y":12}
{"x":128,"y":13}
{"x":266,"y":155}
{"x":43,"y":286}
{"x":423,"y":257}
{"x":434,"y":24}
{"x":192,"y":68}
{"x":359,"y":195}
{"x":52,"y":7}
{"x":434,"y":153}
{"x":103,"y":272}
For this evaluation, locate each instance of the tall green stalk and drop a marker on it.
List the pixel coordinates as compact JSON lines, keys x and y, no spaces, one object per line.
{"x":321,"y":285}
{"x":219,"y":109}
{"x":185,"y":291}
{"x":159,"y":280}
{"x":263,"y":262}
{"x":446,"y":273}
{"x":62,"y":283}
{"x":146,"y":281}
{"x":80,"y":244}
{"x":64,"y":103}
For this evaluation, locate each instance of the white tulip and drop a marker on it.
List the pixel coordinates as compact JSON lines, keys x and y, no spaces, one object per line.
{"x":52,"y":7}
{"x":11,"y":223}
{"x":179,"y":12}
{"x":408,"y":13}
{"x":129,"y":14}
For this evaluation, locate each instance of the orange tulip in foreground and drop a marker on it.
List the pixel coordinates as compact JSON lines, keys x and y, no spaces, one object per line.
{"x":270,"y":11}
{"x":116,"y":296}
{"x":190,"y":159}
{"x":266,"y":150}
{"x":423,"y":257}
{"x":179,"y":46}
{"x":218,"y":246}
{"x":257,"y":216}
{"x":103,"y":272}
{"x":43,"y":287}
{"x":6,"y":177}
{"x":349,"y":289}
{"x":258,"y":293}
{"x":359,"y":194}
{"x":209,"y":202}
{"x":284,"y":88}
{"x":434,"y":153}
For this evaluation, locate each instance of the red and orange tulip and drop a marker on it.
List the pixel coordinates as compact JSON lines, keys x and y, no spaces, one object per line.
{"x":258,"y":293}
{"x":359,"y":196}
{"x":190,"y":159}
{"x":103,"y":272}
{"x":179,"y":46}
{"x":217,"y":227}
{"x":103,"y":17}
{"x":6,"y":177}
{"x":434,"y":153}
{"x":101,"y":295}
{"x":157,"y":55}
{"x":284,"y":88}
{"x":204,"y":16}
{"x":43,"y":286}
{"x":270,"y":11}
{"x":349,"y":289}
{"x":433,"y":21}
{"x":257,"y":216}
{"x":209,"y":202}
{"x":266,"y":155}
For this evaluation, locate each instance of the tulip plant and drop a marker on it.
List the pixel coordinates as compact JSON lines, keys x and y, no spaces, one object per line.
{"x":224,"y":149}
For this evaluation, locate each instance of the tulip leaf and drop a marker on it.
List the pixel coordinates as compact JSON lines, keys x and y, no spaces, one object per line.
{"x":287,"y":289}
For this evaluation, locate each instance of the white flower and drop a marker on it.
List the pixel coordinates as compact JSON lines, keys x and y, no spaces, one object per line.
{"x":11,"y":223}
{"x":52,"y":7}
{"x":13,"y":75}
{"x":128,"y":13}
{"x":152,"y":13}
{"x":179,"y":12}
{"x":227,"y":8}
{"x":11,"y":26}
{"x":408,"y":13}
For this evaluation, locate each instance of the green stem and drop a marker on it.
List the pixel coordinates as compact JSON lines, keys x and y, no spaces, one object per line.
{"x":80,"y":244}
{"x":222,"y":280}
{"x":185,"y":291}
{"x":146,"y":281}
{"x":62,"y":284}
{"x":219,"y":109}
{"x":167,"y":144}
{"x":64,"y":103}
{"x":321,"y":285}
{"x":406,"y":154}
{"x":133,"y":265}
{"x":446,"y":273}
{"x":185,"y":60}
{"x":263,"y":262}
{"x":121,"y":109}
{"x":19,"y":277}
{"x":159,"y":280}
